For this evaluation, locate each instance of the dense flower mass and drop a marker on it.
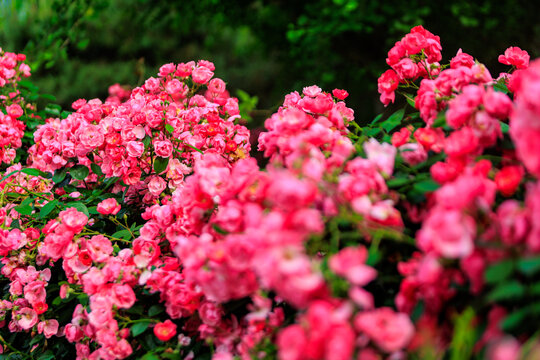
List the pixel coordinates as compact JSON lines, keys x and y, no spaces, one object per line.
{"x":141,"y":227}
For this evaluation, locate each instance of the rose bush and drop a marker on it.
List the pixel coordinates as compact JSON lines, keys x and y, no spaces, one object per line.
{"x":141,"y":227}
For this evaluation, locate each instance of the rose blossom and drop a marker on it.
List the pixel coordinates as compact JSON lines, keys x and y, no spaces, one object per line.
{"x":163,"y":148}
{"x":389,"y":330}
{"x":108,"y":207}
{"x":164,"y":331}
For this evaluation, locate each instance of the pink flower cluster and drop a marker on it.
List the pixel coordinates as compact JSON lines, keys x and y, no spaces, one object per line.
{"x":255,"y":238}
{"x":415,"y":56}
{"x":463,"y":219}
{"x":169,"y":120}
{"x":302,"y":259}
{"x":12,"y":69}
{"x":525,"y":121}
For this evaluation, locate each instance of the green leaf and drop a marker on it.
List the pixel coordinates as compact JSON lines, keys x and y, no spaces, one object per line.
{"x":169,"y":128}
{"x":397,"y":182}
{"x":515,"y":319}
{"x":410,"y":101}
{"x":219,"y":230}
{"x":464,"y":336}
{"x":59,"y":175}
{"x":47,"y":208}
{"x":373,"y":132}
{"x":155,"y":310}
{"x":36,"y":339}
{"x":504,"y":127}
{"x":122,"y":234}
{"x":194,"y":148}
{"x":10,"y":174}
{"x":518,"y":318}
{"x":377,"y":118}
{"x":393,"y":120}
{"x":48,"y":97}
{"x":83,"y":299}
{"x":160,"y":164}
{"x":53,"y":110}
{"x":96,"y":169}
{"x":529,"y":266}
{"x":501,"y":86}
{"x":24,"y":208}
{"x":150,"y":356}
{"x":47,"y":356}
{"x":35,"y":172}
{"x":440,"y":121}
{"x":146,"y":141}
{"x":425,"y":186}
{"x":139,"y":328}
{"x":506,"y":291}
{"x":499,"y":271}
{"x":79,"y":172}
{"x":79,"y":206}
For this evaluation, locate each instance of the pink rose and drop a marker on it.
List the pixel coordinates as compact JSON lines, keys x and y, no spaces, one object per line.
{"x":406,"y":69}
{"x":217,"y":86}
{"x":350,"y":263}
{"x":163,"y":148}
{"x":35,"y":292}
{"x":135,"y":148}
{"x":99,"y":247}
{"x":156,"y":185}
{"x":14,"y":110}
{"x":26,"y":318}
{"x":123,"y":296}
{"x":389,"y":330}
{"x":291,"y":343}
{"x":387,"y":83}
{"x":48,"y":328}
{"x":164,"y":331}
{"x":73,"y":219}
{"x":382,"y":155}
{"x":201,"y":75}
{"x":516,"y":57}
{"x":210,"y":313}
{"x":449,"y":233}
{"x":173,"y":86}
{"x":108,"y":207}
{"x":91,"y":136}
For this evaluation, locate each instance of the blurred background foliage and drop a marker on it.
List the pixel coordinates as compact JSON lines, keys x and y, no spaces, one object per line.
{"x":266,"y":48}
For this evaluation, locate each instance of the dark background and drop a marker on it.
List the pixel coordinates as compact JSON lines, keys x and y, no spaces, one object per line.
{"x":265,"y":48}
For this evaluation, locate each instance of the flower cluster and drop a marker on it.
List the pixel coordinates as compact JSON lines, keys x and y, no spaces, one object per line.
{"x":141,"y":227}
{"x":12,"y":70}
{"x":149,"y":141}
{"x":415,"y":56}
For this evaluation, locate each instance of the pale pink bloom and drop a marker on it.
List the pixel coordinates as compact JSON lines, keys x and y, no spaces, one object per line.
{"x":73,"y":219}
{"x":201,"y":75}
{"x":413,"y":153}
{"x":507,"y":348}
{"x":210,"y":313}
{"x":135,"y":148}
{"x":382,"y":155}
{"x":156,"y":185}
{"x":389,"y":330}
{"x":48,"y":328}
{"x":99,"y":247}
{"x":449,"y":233}
{"x":351,"y":263}
{"x":123,"y":296}
{"x":26,"y":318}
{"x":163,"y":148}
